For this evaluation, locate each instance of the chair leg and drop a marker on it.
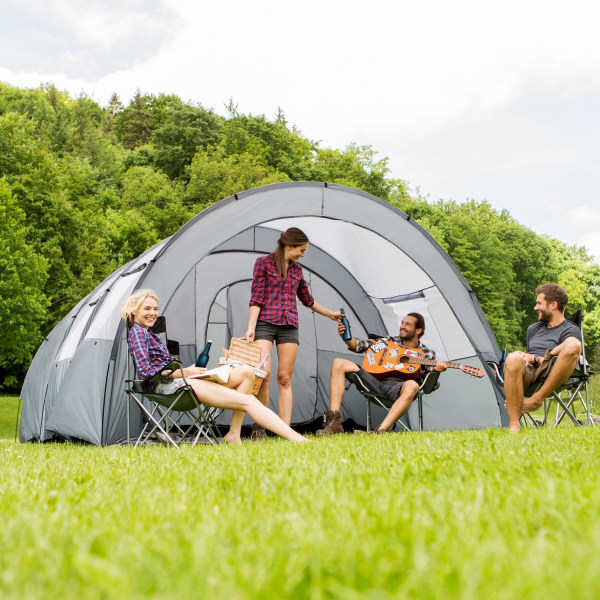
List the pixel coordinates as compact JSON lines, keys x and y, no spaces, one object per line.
{"x":368,"y":414}
{"x":128,"y":421}
{"x":420,"y":408}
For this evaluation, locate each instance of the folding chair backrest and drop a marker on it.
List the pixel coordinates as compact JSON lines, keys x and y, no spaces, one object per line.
{"x":160,"y":329}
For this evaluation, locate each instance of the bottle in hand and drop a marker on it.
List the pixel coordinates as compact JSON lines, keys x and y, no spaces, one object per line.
{"x":347,"y":335}
{"x":202,"y":359}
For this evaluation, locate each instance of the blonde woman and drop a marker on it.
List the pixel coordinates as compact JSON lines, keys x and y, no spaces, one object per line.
{"x":150,"y":355}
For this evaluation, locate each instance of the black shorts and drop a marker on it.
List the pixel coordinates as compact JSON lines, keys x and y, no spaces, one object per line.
{"x":390,"y":387}
{"x":281,"y":334}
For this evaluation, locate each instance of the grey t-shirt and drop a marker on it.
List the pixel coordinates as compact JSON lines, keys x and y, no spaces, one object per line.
{"x":541,"y":338}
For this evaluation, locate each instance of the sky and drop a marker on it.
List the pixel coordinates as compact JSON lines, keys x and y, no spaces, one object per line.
{"x":494,"y":101}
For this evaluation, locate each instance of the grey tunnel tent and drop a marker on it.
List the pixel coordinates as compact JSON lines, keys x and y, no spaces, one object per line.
{"x":364,"y":255}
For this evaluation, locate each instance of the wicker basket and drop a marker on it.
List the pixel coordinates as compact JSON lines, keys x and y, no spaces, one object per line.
{"x":249,"y":354}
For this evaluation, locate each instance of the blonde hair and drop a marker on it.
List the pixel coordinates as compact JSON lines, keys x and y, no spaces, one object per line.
{"x":134,"y":302}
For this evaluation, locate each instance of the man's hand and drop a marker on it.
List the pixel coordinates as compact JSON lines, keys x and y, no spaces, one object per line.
{"x":531,"y":360}
{"x":341,"y":328}
{"x":440,"y":366}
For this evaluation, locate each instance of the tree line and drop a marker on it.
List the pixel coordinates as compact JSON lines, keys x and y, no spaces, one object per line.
{"x":85,"y":188}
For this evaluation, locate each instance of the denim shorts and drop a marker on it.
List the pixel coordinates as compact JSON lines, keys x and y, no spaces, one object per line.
{"x":168,"y":386}
{"x":282,"y":334}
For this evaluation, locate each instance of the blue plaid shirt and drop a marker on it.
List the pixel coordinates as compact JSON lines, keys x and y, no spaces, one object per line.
{"x":149,"y":352}
{"x":276,"y":297}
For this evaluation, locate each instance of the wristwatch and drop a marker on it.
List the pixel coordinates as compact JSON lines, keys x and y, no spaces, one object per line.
{"x":536,"y":361}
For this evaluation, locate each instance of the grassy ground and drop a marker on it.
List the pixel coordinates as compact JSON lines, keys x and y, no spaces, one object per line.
{"x":8,"y":415}
{"x":469,"y":515}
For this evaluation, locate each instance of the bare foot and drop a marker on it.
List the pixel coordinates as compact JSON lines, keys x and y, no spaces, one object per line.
{"x":514,"y":429}
{"x":232,"y":439}
{"x":532,"y":403}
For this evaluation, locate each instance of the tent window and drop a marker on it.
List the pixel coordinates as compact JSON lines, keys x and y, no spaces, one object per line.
{"x":218,"y":330}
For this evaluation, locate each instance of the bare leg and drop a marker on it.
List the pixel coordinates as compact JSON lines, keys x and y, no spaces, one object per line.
{"x":407,"y":395}
{"x":212,"y":394}
{"x":514,"y":368}
{"x":286,"y":357}
{"x":242,"y":380}
{"x":337,"y":381}
{"x":266,"y":347}
{"x":568,"y":354}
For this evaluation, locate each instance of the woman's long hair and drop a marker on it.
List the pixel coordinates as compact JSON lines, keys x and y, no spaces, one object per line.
{"x":291,"y":237}
{"x":134,"y":302}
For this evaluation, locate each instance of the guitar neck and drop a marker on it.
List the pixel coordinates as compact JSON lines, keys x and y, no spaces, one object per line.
{"x":431,"y":363}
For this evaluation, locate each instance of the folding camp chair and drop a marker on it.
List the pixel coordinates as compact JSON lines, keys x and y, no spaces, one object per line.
{"x":430,"y":382}
{"x":165,"y":415}
{"x":568,"y":395}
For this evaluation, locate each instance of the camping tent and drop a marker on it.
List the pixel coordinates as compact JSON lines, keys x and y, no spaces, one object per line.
{"x":364,"y":255}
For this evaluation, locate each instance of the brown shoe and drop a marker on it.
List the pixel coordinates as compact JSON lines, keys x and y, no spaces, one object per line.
{"x":332,"y":423}
{"x":258,"y":433}
{"x":362,"y":432}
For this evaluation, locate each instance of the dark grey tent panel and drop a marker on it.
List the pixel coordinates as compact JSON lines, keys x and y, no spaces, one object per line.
{"x":364,"y":255}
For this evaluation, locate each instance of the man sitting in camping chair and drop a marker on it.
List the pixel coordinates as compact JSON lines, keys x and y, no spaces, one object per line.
{"x":390,"y":384}
{"x":551,"y":336}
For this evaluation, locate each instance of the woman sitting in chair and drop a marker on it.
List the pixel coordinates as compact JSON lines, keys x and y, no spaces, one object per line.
{"x":150,"y":355}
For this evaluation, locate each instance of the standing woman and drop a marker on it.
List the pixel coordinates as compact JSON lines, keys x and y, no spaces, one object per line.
{"x":276,"y":282}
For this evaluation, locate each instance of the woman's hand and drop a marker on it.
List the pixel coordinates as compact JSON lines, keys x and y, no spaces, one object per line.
{"x":193,"y":370}
{"x":334,"y":315}
{"x":249,"y":335}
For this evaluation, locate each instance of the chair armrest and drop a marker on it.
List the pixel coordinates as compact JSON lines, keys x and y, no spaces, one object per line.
{"x":495,"y":367}
{"x":172,"y":366}
{"x":430,"y":382}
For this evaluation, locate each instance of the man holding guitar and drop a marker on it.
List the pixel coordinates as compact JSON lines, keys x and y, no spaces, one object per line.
{"x":394,"y":367}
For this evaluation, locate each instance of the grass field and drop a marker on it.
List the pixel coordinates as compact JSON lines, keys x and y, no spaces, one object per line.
{"x":466,"y":514}
{"x":8,"y":415}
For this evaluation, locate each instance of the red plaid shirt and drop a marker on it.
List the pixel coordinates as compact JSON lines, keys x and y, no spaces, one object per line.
{"x":276,"y":297}
{"x":149,"y":352}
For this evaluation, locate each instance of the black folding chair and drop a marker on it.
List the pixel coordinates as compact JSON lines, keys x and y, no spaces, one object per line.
{"x":568,"y":396}
{"x":174,"y":418}
{"x":430,"y":382}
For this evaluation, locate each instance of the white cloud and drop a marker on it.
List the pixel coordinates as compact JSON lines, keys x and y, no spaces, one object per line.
{"x":467,"y":98}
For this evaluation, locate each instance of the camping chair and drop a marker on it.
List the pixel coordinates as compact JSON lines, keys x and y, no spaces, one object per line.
{"x":164,"y":418}
{"x":573,"y":391}
{"x":430,"y":382}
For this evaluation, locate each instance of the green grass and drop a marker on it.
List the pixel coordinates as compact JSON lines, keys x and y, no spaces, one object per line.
{"x":466,"y":515}
{"x":8,"y":415}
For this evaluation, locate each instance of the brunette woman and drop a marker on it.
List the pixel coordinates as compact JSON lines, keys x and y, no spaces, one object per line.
{"x":277,"y":281}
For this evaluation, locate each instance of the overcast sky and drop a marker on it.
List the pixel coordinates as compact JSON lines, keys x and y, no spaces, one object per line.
{"x":468,"y":99}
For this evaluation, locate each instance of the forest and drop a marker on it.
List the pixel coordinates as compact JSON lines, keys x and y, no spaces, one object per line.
{"x":85,"y":188}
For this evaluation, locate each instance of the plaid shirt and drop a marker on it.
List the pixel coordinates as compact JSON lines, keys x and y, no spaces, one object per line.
{"x":149,"y":352}
{"x":363,"y":346}
{"x":276,"y":297}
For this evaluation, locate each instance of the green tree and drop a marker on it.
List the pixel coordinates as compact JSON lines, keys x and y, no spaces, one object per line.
{"x":214,"y":177}
{"x":132,"y":125}
{"x":23,"y":303}
{"x":185,"y":131}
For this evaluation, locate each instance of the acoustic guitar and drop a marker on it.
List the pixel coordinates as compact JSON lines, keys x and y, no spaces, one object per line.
{"x":386,"y":357}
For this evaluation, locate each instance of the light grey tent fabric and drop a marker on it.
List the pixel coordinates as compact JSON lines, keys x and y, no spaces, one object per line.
{"x":364,"y":255}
